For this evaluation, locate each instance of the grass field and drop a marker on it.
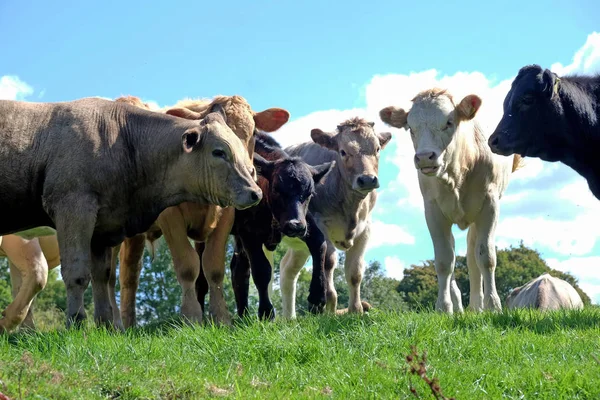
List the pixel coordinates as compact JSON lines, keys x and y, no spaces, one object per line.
{"x":511,"y":355}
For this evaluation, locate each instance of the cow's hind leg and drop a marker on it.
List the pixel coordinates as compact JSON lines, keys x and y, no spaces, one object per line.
{"x":27,"y":257}
{"x":130,"y":254}
{"x":354,"y":269}
{"x":261,"y":274}
{"x":485,"y":253}
{"x":475,"y":282}
{"x":103,"y":311}
{"x":201,"y":282}
{"x":15,"y":280}
{"x":240,"y":277}
{"x":112,"y":283}
{"x":291,"y":264}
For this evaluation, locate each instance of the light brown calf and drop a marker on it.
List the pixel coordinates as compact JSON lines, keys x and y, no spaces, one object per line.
{"x":209,"y":224}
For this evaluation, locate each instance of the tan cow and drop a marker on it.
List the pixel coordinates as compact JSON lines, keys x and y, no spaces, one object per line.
{"x":99,"y":171}
{"x":545,"y":293}
{"x":461,"y":181}
{"x":341,"y":206}
{"x":208,"y":224}
{"x":30,"y":257}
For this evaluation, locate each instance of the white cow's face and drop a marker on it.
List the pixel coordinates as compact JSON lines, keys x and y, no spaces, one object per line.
{"x":433,"y":122}
{"x":432,"y":125}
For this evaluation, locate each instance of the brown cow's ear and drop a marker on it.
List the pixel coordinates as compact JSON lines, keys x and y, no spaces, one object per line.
{"x":183,"y":113}
{"x":468,"y":107}
{"x":324,"y":139}
{"x":272,"y":119}
{"x":395,"y":117}
{"x":190,"y":138}
{"x":320,"y":171}
{"x":384,"y":138}
{"x":264,"y":167}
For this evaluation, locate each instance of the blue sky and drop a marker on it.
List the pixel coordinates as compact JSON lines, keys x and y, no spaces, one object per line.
{"x":323,"y":61}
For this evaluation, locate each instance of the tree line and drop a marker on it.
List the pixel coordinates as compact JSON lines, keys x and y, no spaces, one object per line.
{"x":159,"y":294}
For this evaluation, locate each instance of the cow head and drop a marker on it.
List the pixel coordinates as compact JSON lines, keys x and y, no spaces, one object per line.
{"x":240,"y":117}
{"x":291,"y":186}
{"x":219,"y":163}
{"x":532,"y":122}
{"x":357,"y":146}
{"x":433,"y":122}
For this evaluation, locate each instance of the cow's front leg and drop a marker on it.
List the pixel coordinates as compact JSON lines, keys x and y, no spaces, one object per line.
{"x":131,"y":253}
{"x":213,"y":263}
{"x":261,"y":274}
{"x":355,"y":267}
{"x":185,"y":261}
{"x":201,"y":282}
{"x":103,"y":311}
{"x":440,"y":229}
{"x":74,"y":232}
{"x":475,"y":282}
{"x":240,"y":277}
{"x":317,"y":245}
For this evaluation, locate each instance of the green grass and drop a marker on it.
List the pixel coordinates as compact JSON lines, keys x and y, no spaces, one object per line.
{"x":513,"y":355}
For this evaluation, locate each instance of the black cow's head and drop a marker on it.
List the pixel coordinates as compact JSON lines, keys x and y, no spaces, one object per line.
{"x":533,"y":122}
{"x":292,"y":183}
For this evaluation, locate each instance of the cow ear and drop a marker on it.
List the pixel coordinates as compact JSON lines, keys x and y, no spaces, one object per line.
{"x":264,"y":167}
{"x":384,"y":138}
{"x":218,"y":108}
{"x":550,"y":83}
{"x":320,"y":171}
{"x":468,"y":107}
{"x":272,"y":119}
{"x":324,"y":139}
{"x":183,"y":113}
{"x":395,"y":117}
{"x":189,"y":139}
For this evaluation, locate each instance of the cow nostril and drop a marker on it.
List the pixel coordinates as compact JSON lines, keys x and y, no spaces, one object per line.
{"x":254,"y":196}
{"x":375,"y":180}
{"x":431,"y":155}
{"x":494,"y":141}
{"x":360,"y":181}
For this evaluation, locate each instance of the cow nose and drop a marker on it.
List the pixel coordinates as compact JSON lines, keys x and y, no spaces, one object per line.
{"x":428,"y":155}
{"x":493,"y":142}
{"x":294,"y":228}
{"x":255,"y":196}
{"x":367,"y":182}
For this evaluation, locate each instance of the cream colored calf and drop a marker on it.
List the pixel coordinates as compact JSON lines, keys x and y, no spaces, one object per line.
{"x":545,"y":293}
{"x":29,"y":258}
{"x":462,"y":182}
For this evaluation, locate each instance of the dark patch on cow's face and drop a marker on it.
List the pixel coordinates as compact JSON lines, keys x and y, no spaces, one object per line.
{"x":531,"y":125}
{"x":291,"y":189}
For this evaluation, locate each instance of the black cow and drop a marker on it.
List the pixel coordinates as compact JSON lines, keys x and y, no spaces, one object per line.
{"x":287,"y":184}
{"x":554,"y":119}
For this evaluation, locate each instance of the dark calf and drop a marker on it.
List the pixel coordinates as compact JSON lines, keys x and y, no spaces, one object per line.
{"x":287,"y":184}
{"x":554,"y":119}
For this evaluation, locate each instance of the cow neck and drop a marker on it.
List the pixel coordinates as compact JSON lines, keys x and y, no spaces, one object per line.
{"x":155,"y":146}
{"x":341,"y":196}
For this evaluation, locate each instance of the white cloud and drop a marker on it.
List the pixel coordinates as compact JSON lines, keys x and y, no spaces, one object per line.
{"x":383,"y":234}
{"x":586,"y":60}
{"x":584,"y":268}
{"x":12,"y":88}
{"x":394,"y":267}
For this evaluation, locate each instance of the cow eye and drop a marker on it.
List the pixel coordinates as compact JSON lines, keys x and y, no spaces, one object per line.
{"x":448,"y":125}
{"x":527,"y":100}
{"x":218,"y":153}
{"x":342,"y":153}
{"x":378,"y":149}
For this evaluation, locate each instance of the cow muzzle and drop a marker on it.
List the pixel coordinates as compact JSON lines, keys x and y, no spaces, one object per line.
{"x":499,"y":143}
{"x":428,"y":162}
{"x":366,"y":183}
{"x":294,"y":228}
{"x":248,"y":198}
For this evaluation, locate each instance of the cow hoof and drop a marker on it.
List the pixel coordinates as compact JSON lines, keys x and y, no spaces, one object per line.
{"x":366,"y":306}
{"x":316,"y":308}
{"x":267,"y":314}
{"x":76,"y":321}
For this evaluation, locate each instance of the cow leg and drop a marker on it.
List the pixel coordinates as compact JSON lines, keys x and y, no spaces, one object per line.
{"x":27,"y":257}
{"x":354,"y":269}
{"x":317,"y":245}
{"x":112,"y":283}
{"x":291,"y":264}
{"x":16,"y":280}
{"x":240,"y":277}
{"x":130,"y":267}
{"x":185,"y":261}
{"x":261,"y":274}
{"x":103,"y":312}
{"x":440,"y":230}
{"x":74,"y":242}
{"x":485,"y":253}
{"x":475,"y":282}
{"x":201,"y":282}
{"x":455,"y":296}
{"x":213,"y":263}
{"x":269,"y":255}
{"x":331,"y":261}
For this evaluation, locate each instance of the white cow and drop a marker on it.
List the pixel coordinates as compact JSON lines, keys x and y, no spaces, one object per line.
{"x":546,"y":293}
{"x":30,"y":254}
{"x":461,"y":181}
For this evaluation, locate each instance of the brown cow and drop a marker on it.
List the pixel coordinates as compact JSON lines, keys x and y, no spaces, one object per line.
{"x":341,"y":206}
{"x":98,"y":171}
{"x":207,"y":224}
